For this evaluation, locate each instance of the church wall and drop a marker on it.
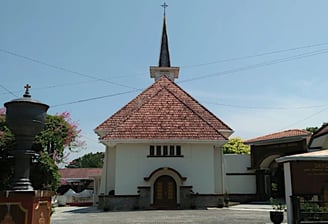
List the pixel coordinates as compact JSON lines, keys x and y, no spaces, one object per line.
{"x":133,"y":164}
{"x":200,"y":171}
{"x":108,"y":172}
{"x":238,"y":179}
{"x":219,"y":170}
{"x":111,"y":169}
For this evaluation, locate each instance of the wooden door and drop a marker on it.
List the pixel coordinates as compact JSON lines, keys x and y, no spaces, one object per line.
{"x":165,"y":193}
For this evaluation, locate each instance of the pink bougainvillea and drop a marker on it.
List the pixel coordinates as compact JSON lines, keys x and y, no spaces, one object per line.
{"x":2,"y":111}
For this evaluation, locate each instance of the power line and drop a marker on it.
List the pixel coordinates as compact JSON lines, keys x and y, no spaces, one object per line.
{"x":51,"y":86}
{"x":265,"y":108}
{"x":258,"y":65}
{"x":95,"y":98}
{"x":256,"y":55}
{"x":63,"y":69}
{"x":249,"y":67}
{"x":306,"y":118}
{"x":8,"y":91}
{"x":196,"y":65}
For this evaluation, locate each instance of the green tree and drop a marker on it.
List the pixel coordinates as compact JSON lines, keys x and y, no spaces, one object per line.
{"x":314,"y":129}
{"x":90,"y":160}
{"x":6,"y":160}
{"x":60,"y":132}
{"x":236,"y":146}
{"x":311,"y":129}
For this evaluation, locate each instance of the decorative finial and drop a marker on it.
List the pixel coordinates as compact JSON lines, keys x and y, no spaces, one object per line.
{"x":164,"y":6}
{"x":27,"y":93}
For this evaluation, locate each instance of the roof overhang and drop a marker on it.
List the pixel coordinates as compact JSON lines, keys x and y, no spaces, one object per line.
{"x":100,"y":132}
{"x":112,"y":143}
{"x":278,"y":140}
{"x":321,"y":155}
{"x":319,"y":142}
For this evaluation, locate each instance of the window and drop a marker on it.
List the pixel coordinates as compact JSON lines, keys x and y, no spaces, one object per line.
{"x":178,"y":150}
{"x":165,"y":151}
{"x":171,"y":150}
{"x":151,"y":150}
{"x":158,"y":150}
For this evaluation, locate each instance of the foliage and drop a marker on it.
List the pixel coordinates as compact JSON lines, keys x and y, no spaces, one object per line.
{"x":44,"y":173}
{"x":311,"y":129}
{"x":90,"y":160}
{"x":314,"y":129}
{"x":236,"y":146}
{"x":277,"y":205}
{"x":60,"y":132}
{"x":6,"y":160}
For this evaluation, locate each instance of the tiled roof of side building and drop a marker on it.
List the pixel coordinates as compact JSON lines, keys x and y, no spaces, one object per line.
{"x":163,"y":111}
{"x":82,"y":173}
{"x":280,"y":135}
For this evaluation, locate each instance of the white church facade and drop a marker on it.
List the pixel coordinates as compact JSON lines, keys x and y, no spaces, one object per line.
{"x":165,"y":150}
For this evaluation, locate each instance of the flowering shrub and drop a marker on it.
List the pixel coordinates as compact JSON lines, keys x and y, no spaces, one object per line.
{"x":60,"y":133}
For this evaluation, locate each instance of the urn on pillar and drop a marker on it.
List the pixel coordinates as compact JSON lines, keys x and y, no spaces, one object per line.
{"x":25,"y":118}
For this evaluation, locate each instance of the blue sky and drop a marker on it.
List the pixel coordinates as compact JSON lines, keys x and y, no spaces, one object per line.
{"x":260,"y":66}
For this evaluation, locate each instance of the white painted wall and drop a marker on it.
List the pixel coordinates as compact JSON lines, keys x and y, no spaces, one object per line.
{"x":132,"y":165}
{"x":241,"y":182}
{"x":108,"y":171}
{"x":288,"y":192}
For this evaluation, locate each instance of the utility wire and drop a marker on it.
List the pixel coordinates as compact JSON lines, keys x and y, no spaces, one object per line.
{"x":256,"y":55}
{"x":50,"y":86}
{"x":95,"y":98}
{"x":8,"y":91}
{"x":306,"y":118}
{"x":258,"y":65}
{"x":197,"y":65}
{"x":249,"y":67}
{"x":295,"y":57}
{"x":63,"y":69}
{"x":265,"y":108}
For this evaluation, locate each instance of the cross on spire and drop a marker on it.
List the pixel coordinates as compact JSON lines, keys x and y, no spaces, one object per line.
{"x":164,"y":6}
{"x":27,"y":93}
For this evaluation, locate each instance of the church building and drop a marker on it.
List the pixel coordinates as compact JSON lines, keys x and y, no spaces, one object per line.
{"x":163,"y":149}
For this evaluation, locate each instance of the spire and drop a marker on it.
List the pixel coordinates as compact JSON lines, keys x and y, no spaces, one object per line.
{"x":164,"y":56}
{"x":164,"y":64}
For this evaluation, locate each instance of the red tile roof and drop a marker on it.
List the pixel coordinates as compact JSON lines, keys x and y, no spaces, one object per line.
{"x":163,"y":111}
{"x":280,"y":135}
{"x":79,"y":173}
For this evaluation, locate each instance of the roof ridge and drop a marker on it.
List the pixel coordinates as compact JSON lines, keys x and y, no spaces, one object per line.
{"x":198,"y":103}
{"x":195,"y":112}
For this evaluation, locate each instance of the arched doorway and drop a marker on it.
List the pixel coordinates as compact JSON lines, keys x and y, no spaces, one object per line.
{"x":165,"y":192}
{"x":270,"y":178}
{"x":277,"y":180}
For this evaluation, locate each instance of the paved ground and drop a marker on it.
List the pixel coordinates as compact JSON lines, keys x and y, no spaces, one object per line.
{"x":238,"y":214}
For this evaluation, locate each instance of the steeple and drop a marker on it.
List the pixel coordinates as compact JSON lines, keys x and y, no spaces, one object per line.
{"x":164,"y":55}
{"x":164,"y":64}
